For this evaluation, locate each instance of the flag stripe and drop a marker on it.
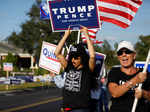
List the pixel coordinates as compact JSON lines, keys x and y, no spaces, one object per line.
{"x":119,"y":12}
{"x":116,"y":8}
{"x":124,"y":3}
{"x":95,"y":42}
{"x":98,"y":42}
{"x":93,"y":31}
{"x":114,"y":21}
{"x":117,"y":18}
{"x":135,"y":3}
{"x":92,"y":35}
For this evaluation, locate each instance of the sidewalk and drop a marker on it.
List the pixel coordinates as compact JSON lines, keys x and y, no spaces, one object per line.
{"x":25,"y":90}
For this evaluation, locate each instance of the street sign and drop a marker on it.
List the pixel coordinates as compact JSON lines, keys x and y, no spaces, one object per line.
{"x":100,"y":58}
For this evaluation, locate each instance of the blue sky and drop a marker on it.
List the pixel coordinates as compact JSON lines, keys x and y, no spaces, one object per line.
{"x":13,"y":14}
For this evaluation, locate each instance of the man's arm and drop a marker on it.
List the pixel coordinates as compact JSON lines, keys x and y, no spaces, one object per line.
{"x":118,"y":90}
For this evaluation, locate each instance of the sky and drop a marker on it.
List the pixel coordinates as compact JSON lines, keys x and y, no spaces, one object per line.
{"x":13,"y":14}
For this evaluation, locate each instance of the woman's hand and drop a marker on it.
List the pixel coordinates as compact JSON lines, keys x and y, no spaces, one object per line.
{"x":52,"y":74}
{"x":67,"y":32}
{"x":84,"y":30}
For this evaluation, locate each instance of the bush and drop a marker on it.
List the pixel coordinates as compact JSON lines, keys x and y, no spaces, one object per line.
{"x":40,"y":71}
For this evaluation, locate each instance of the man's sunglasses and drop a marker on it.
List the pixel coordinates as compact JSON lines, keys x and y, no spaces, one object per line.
{"x":120,"y":52}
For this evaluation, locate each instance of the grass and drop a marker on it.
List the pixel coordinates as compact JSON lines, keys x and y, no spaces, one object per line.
{"x":24,"y":86}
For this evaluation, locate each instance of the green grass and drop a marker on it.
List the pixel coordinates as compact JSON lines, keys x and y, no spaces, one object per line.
{"x":24,"y":86}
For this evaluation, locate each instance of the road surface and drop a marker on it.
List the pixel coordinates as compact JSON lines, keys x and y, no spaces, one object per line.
{"x":31,"y":100}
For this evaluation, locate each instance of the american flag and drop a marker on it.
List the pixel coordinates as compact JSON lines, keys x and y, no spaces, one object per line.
{"x":119,"y":12}
{"x":92,"y":35}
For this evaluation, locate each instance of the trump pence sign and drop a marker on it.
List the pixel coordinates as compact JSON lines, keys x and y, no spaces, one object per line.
{"x":73,"y":13}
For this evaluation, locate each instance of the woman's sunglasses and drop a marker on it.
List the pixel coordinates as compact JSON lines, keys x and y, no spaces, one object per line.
{"x":120,"y":52}
{"x":75,"y":56}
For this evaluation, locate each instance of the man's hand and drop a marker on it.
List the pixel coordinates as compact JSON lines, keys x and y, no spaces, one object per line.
{"x":140,"y":77}
{"x":138,"y":93}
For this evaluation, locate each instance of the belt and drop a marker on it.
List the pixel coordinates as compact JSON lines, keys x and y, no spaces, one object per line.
{"x":66,"y":109}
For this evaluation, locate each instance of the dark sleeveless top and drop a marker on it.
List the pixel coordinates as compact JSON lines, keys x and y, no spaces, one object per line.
{"x":76,"y":92}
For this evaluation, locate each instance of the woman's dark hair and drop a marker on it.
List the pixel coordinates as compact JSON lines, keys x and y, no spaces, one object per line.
{"x":78,"y":50}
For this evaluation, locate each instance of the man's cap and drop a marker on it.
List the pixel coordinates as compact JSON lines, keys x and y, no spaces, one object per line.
{"x":127,"y":45}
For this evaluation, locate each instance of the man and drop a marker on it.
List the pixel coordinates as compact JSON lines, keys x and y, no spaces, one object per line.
{"x":123,"y":82}
{"x":78,"y":67}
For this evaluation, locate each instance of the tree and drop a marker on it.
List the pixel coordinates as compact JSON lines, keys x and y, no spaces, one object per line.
{"x":35,"y":31}
{"x":142,"y":47}
{"x":111,"y":58}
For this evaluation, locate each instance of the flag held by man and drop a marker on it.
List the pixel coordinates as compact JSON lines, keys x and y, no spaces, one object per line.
{"x":118,"y":12}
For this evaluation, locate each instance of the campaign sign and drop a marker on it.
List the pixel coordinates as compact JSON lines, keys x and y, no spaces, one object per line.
{"x":7,"y":66}
{"x":73,"y":13}
{"x":99,"y":62}
{"x":44,"y":11}
{"x":140,"y":64}
{"x":48,"y":59}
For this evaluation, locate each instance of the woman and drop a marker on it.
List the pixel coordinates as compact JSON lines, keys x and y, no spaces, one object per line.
{"x":78,"y":68}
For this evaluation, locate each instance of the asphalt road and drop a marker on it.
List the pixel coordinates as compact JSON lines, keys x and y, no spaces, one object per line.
{"x":31,"y":100}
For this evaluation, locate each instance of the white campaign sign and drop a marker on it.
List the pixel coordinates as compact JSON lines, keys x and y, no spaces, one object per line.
{"x":48,"y":60}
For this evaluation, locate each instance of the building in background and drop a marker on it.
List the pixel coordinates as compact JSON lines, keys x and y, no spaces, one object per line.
{"x":24,"y":60}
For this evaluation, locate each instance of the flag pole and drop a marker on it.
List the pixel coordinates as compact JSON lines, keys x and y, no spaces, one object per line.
{"x":78,"y":39}
{"x":140,"y":85}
